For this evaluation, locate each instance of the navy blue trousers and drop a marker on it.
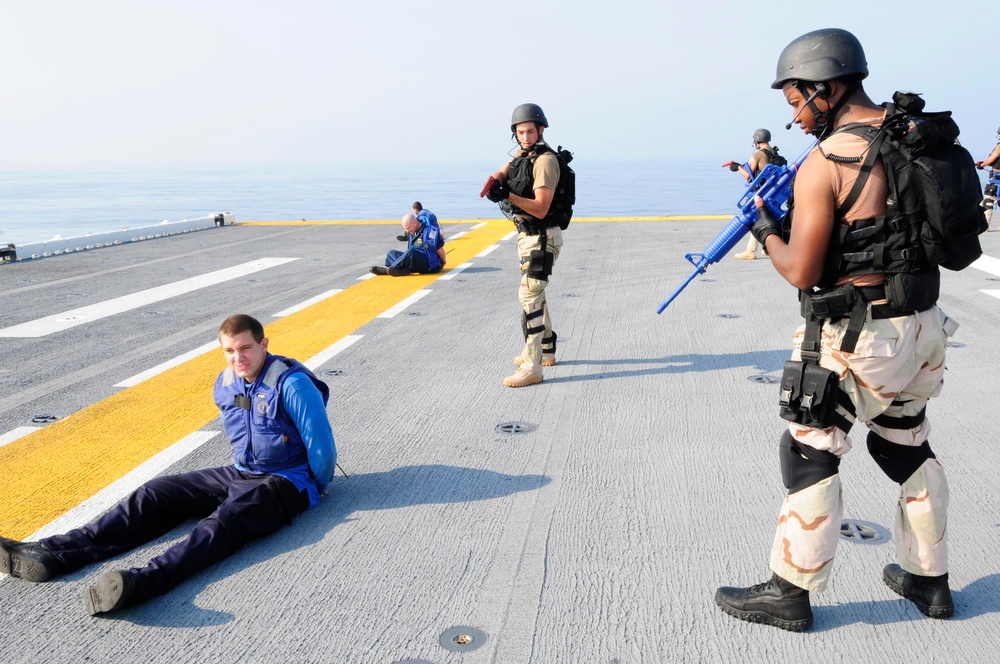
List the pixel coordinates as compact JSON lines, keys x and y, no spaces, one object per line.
{"x":414,"y":261}
{"x":234,"y":508}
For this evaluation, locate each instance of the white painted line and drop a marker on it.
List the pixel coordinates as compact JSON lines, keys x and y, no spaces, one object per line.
{"x":994,"y":293}
{"x":14,"y":434}
{"x":479,"y":225}
{"x":324,"y":355}
{"x":395,"y":309}
{"x":109,"y":496}
{"x":88,"y":314}
{"x":311,"y":301}
{"x":458,"y":234}
{"x":487,"y":251}
{"x":367,"y":276}
{"x":509,"y":236}
{"x":988,"y":264}
{"x":169,"y":364}
{"x":455,"y":270}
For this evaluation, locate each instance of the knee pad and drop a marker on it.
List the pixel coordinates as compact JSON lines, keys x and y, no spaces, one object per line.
{"x":802,"y":466}
{"x":533,"y":323}
{"x":898,"y":462}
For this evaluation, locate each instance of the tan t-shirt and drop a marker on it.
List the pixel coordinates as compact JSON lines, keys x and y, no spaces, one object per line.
{"x":871,"y":201}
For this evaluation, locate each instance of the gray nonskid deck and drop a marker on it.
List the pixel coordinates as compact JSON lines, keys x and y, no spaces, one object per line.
{"x":649,"y":479}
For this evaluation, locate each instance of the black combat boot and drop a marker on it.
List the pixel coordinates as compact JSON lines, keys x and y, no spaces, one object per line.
{"x":929,"y":593}
{"x":113,"y":591}
{"x":380,"y":269}
{"x":28,"y":560}
{"x":777,"y":602}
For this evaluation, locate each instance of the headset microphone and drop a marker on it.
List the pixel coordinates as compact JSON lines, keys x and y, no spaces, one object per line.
{"x":822,"y":91}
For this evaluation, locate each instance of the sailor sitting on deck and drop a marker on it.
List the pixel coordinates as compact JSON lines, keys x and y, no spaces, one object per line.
{"x":274,"y":413}
{"x":424,"y":251}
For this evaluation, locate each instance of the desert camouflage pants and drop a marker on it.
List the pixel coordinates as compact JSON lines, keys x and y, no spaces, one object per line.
{"x":531,"y":294}
{"x":897,"y":366}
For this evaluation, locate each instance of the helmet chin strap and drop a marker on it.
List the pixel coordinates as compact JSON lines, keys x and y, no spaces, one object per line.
{"x":823,"y":118}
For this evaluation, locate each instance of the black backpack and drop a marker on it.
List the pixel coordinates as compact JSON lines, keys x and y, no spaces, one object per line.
{"x":774,"y":158}
{"x":930,"y":177}
{"x":565,"y":193}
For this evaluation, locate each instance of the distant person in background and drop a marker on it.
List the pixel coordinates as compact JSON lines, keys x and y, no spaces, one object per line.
{"x":424,"y":217}
{"x":424,"y":251}
{"x":763,"y":155}
{"x":990,"y":192}
{"x":274,"y":413}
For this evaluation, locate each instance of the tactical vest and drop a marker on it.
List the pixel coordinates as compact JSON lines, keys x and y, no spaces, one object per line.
{"x":887,"y":244}
{"x":426,"y":243}
{"x":521,"y":180}
{"x":263,"y":435}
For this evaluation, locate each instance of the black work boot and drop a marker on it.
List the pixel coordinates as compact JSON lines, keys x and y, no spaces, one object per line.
{"x":397,"y":272}
{"x":777,"y":602}
{"x":929,"y":593}
{"x":113,"y":591}
{"x":28,"y":560}
{"x":380,"y":269}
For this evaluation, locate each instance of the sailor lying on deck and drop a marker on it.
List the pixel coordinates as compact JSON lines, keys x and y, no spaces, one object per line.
{"x":424,"y":250}
{"x":274,"y":412}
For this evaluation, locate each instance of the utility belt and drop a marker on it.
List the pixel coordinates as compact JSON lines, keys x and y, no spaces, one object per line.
{"x":532,"y":226}
{"x":809,"y":392}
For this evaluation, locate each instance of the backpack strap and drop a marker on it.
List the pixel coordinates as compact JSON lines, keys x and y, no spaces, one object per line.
{"x":866,"y":168}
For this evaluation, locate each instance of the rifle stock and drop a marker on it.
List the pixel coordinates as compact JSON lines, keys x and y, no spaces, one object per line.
{"x":774,"y":185}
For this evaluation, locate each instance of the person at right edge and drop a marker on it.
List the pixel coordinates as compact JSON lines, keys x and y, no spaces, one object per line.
{"x":897,"y":362}
{"x":529,"y":183}
{"x":990,"y":192}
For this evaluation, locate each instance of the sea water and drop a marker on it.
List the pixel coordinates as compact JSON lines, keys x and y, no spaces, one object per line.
{"x":40,"y":203}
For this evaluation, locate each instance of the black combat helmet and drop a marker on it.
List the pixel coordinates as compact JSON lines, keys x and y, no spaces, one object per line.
{"x":528,"y":113}
{"x":821,"y":55}
{"x":762,"y":136}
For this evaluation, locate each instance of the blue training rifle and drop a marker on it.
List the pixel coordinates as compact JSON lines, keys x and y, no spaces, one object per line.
{"x":774,"y":185}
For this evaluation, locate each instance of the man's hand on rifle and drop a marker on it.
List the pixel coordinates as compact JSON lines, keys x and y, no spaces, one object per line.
{"x":766,"y":224}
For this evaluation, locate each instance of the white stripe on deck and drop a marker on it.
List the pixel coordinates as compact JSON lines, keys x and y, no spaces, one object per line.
{"x":311,"y":301}
{"x":397,"y":308}
{"x":994,"y":293}
{"x":458,"y":234}
{"x":987,"y":264}
{"x":479,"y":225}
{"x":109,"y":496}
{"x":509,"y":236}
{"x":366,"y":276}
{"x":14,"y":434}
{"x":487,"y":251}
{"x":59,"y":322}
{"x":455,"y":271}
{"x":324,"y":355}
{"x":169,"y":364}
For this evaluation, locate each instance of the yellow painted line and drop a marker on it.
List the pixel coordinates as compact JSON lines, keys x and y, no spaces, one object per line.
{"x":50,"y":471}
{"x":384,"y":222}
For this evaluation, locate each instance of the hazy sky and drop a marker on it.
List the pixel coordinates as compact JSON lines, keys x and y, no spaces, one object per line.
{"x":226,"y":80}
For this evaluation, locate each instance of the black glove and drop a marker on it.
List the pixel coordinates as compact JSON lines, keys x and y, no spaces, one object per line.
{"x":498,"y":192}
{"x":734,"y":166}
{"x":765,"y":225}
